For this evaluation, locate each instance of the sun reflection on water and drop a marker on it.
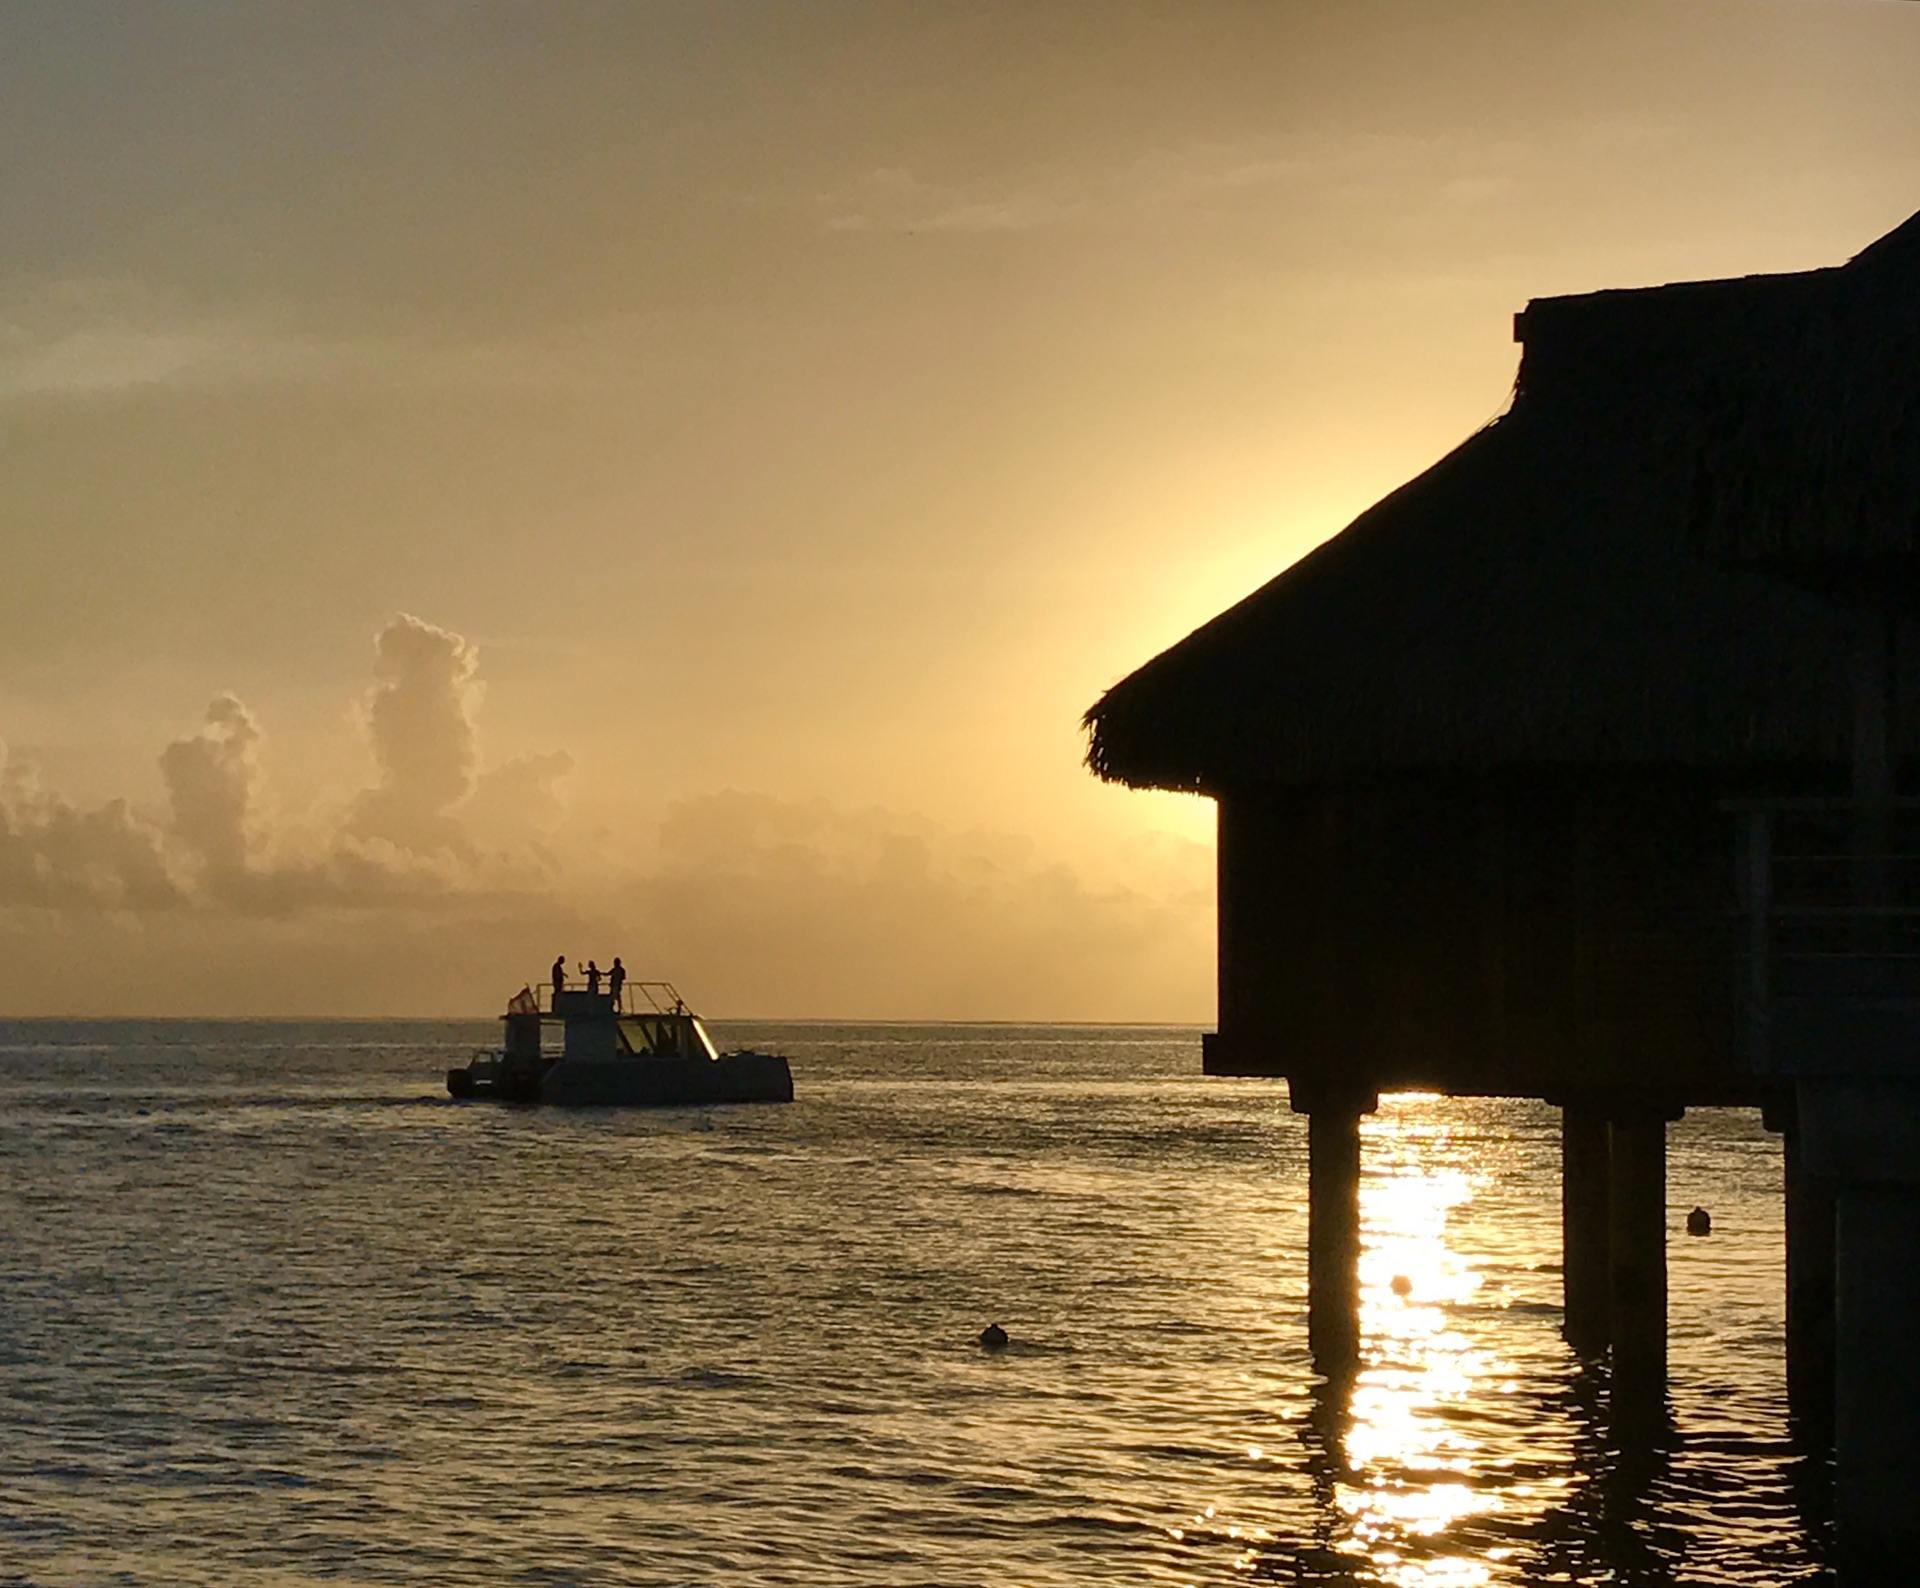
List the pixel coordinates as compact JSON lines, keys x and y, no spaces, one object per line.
{"x":1410,"y":1468}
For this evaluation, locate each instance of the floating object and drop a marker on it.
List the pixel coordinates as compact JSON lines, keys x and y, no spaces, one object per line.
{"x":1699,"y":1222}
{"x":1402,"y":1286}
{"x":993,"y":1338}
{"x":642,"y":1047}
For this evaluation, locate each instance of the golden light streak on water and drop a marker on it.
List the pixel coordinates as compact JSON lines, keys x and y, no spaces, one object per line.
{"x":1408,"y":1465}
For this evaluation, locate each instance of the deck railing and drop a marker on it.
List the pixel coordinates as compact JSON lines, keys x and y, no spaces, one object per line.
{"x":1829,"y":907}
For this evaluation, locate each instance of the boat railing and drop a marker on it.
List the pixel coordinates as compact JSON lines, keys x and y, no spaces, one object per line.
{"x":634,"y":998}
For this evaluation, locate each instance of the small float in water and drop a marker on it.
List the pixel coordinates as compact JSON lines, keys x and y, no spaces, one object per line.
{"x":641,"y":1047}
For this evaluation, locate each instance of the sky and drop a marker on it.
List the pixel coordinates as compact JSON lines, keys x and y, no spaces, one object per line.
{"x":482,"y":481}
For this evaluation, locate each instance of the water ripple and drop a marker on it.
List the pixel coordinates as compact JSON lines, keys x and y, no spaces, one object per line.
{"x":273,"y":1312}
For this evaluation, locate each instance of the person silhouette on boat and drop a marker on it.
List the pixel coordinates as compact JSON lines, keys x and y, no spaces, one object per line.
{"x":593,"y":980}
{"x":559,"y":975}
{"x":616,"y":979}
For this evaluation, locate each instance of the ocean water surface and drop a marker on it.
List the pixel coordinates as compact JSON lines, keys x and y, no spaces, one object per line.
{"x":273,"y":1310}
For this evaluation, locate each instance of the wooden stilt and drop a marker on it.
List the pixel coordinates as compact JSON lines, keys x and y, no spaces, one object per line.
{"x":1810,"y":1295}
{"x":1637,"y":1261}
{"x":1877,"y":1405}
{"x":1333,"y":1236}
{"x":1583,"y":1226}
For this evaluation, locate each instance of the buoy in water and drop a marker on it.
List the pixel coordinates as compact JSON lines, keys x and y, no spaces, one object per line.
{"x":993,"y":1338}
{"x":1699,"y":1222}
{"x":1402,"y":1286}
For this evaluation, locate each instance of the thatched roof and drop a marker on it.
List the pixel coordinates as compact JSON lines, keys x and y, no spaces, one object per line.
{"x":1811,"y":430}
{"x":1582,"y":582}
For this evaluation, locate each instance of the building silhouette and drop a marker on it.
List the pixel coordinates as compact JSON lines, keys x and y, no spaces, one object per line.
{"x":1570,"y":770}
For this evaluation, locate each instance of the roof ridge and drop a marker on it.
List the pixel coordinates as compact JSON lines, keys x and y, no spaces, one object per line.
{"x":1898,"y":245}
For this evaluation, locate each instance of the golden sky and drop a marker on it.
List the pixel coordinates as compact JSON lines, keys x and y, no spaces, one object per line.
{"x":667,"y":479}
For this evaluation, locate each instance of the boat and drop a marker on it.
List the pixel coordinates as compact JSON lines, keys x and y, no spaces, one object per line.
{"x":639,"y":1047}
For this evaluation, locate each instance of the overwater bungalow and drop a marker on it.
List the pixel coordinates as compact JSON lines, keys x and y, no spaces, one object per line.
{"x":1569,"y":771}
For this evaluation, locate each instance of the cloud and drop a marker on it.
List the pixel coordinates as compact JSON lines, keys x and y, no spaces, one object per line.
{"x":91,"y":340}
{"x":1202,"y":178}
{"x":419,"y":719}
{"x":211,"y":779}
{"x":104,"y":359}
{"x":800,"y":908}
{"x":517,"y":800}
{"x":53,"y":855}
{"x":467,"y":876}
{"x":892,"y":199}
{"x":412,"y":840}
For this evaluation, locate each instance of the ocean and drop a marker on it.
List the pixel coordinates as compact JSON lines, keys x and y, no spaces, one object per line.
{"x":274,"y":1310}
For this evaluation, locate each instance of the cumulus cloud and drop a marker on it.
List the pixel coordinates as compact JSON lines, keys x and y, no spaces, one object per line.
{"x":408,"y":840}
{"x":54,"y":855}
{"x":464,"y":874}
{"x":419,"y":717}
{"x":211,"y":780}
{"x":516,"y":802}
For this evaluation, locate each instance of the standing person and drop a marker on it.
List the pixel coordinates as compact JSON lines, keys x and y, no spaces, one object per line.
{"x":559,"y":974}
{"x":593,"y":980}
{"x":616,"y":979}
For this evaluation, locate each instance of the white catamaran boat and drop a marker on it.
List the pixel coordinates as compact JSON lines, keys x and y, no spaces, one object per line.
{"x":640,"y":1048}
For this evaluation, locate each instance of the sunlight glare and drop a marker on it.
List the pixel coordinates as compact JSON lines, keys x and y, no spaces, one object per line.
{"x":1407,"y":1461}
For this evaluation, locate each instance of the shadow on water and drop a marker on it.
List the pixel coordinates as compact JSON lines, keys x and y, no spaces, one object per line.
{"x":1323,"y":1439}
{"x":1625,"y":1518}
{"x":1809,"y":1476}
{"x":1324,"y":1432}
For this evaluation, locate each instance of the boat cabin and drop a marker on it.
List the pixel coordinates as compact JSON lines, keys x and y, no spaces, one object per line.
{"x":647,"y":1020}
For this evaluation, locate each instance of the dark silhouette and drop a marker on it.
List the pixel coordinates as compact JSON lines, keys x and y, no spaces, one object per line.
{"x":1492,"y":764}
{"x":559,"y":974}
{"x":589,"y":1070}
{"x":993,"y":1338}
{"x":1699,"y":1222}
{"x":616,"y":979}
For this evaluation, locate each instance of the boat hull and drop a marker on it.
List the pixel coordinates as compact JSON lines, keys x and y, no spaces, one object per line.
{"x":667,"y":1083}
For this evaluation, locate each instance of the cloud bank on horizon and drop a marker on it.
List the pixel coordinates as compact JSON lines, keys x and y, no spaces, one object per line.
{"x":444,"y":879}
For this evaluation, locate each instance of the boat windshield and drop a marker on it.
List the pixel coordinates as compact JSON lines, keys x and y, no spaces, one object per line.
{"x":666,"y":1036}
